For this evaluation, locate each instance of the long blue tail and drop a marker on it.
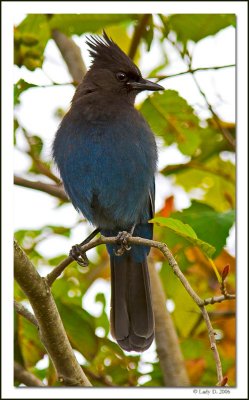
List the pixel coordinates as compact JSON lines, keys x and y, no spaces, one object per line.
{"x":132,"y":319}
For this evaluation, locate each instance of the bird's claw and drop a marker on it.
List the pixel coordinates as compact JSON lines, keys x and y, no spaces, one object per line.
{"x":80,"y":257}
{"x":122,"y":241}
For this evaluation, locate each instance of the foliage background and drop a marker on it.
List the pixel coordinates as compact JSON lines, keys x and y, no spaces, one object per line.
{"x":196,"y":185}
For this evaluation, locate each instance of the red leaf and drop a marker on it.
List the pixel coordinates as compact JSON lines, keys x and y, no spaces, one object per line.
{"x":224,"y":381}
{"x":168,"y":207}
{"x":225,"y":272}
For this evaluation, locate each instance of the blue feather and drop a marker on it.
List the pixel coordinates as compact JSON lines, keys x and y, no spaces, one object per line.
{"x":106,"y":155}
{"x":111,"y":163}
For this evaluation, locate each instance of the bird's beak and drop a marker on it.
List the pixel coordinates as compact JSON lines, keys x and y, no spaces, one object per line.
{"x":144,"y":84}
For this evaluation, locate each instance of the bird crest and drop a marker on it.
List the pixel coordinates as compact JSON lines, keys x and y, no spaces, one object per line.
{"x":107,"y":54}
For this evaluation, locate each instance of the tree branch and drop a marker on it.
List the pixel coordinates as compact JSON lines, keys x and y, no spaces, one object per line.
{"x":138,"y":34}
{"x":40,"y":165}
{"x":71,"y":54}
{"x":213,"y":345}
{"x":20,"y":309}
{"x":24,"y":376}
{"x":51,"y":330}
{"x":177,"y":271}
{"x":222,"y":314}
{"x":219,"y":299}
{"x":54,"y":190}
{"x":191,"y":71}
{"x":168,"y":349}
{"x":225,"y":132}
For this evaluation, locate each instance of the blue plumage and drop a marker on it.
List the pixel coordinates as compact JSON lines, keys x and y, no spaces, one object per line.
{"x":106,"y":155}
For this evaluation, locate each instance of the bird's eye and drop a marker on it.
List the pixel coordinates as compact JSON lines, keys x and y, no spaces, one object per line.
{"x":121,"y":76}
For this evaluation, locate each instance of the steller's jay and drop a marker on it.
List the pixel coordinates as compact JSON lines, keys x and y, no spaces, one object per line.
{"x":106,"y":155}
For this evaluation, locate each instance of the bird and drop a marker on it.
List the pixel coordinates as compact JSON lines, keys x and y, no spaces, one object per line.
{"x":106,"y":155}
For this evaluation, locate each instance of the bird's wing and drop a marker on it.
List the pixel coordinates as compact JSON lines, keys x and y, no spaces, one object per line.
{"x":152,"y":199}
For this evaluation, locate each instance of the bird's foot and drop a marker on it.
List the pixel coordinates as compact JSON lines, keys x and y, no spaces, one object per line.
{"x":122,"y":241}
{"x":79,"y":256}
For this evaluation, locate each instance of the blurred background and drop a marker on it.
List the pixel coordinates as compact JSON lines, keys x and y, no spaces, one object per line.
{"x":193,"y":57}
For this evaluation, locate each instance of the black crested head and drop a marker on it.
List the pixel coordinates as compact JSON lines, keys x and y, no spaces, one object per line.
{"x":106,"y":54}
{"x":112,"y":72}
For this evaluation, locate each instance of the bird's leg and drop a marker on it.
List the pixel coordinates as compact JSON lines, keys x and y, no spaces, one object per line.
{"x":79,"y":256}
{"x":122,"y":241}
{"x":76,"y":252}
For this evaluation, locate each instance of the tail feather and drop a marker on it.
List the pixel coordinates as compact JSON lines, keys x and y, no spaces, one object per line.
{"x":132,"y":320}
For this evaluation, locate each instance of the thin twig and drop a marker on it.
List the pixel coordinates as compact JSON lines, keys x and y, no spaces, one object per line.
{"x":218,"y":314}
{"x":100,"y":378}
{"x":187,"y":56}
{"x":227,"y":135}
{"x":138,"y":34}
{"x":191,"y":71}
{"x":24,"y":376}
{"x":177,"y":271}
{"x":54,"y":84}
{"x":54,"y":190}
{"x":40,"y":165}
{"x":219,"y":299}
{"x":20,"y":309}
{"x":213,"y":345}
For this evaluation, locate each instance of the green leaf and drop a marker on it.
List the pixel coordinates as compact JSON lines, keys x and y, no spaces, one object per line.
{"x":57,"y":260}
{"x":156,"y":376}
{"x":100,"y":298}
{"x":19,"y":88}
{"x":36,"y":144}
{"x":170,"y":117}
{"x":186,"y":312}
{"x":16,"y":126}
{"x":177,"y":226}
{"x":17,"y":349}
{"x":26,"y":237}
{"x":29,"y":238}
{"x":210,"y":226}
{"x":29,"y":342}
{"x":80,"y":328}
{"x":102,"y":321}
{"x":212,"y":141}
{"x":39,"y":373}
{"x":119,"y":34}
{"x":149,"y":33}
{"x":111,"y":347}
{"x":198,"y":26}
{"x":19,"y":295}
{"x":185,"y":231}
{"x":215,"y":178}
{"x":77,"y":24}
{"x":33,"y":34}
{"x":155,"y":71}
{"x":192,"y":348}
{"x":68,"y":290}
{"x":60,"y":230}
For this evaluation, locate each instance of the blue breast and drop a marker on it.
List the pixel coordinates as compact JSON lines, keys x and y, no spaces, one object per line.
{"x":107,"y":168}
